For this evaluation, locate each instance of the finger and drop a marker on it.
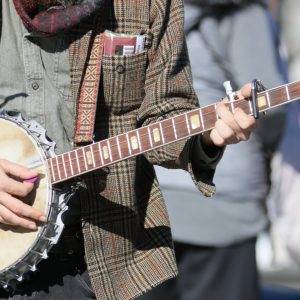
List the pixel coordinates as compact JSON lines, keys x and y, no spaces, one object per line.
{"x":246,"y":122}
{"x":14,"y":187}
{"x":241,"y":123}
{"x":224,"y":134}
{"x":244,"y":92}
{"x":216,"y":138}
{"x":8,"y":217}
{"x":219,"y":141}
{"x":228,"y":118}
{"x":17,"y":170}
{"x":20,"y":208}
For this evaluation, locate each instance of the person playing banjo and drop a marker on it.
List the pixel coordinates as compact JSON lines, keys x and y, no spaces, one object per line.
{"x":107,"y":86}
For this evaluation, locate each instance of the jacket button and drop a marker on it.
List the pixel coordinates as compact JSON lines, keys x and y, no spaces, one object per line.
{"x":35,"y":86}
{"x":120,"y":69}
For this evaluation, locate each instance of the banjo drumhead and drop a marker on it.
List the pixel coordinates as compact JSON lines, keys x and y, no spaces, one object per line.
{"x":17,"y":146}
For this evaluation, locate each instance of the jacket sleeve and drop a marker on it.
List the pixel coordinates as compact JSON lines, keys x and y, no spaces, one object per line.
{"x":169,"y":92}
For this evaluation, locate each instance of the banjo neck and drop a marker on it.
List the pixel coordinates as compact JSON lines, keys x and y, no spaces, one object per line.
{"x":106,"y":152}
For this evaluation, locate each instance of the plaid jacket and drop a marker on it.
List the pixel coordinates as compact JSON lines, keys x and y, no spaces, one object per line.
{"x":126,"y":228}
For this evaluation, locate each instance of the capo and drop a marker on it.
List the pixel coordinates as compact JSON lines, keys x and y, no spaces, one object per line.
{"x":256,"y":87}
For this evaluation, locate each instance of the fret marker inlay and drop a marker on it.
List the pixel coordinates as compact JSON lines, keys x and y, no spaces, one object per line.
{"x":89,"y":157}
{"x":134,"y":142}
{"x":105,"y":152}
{"x":261,"y":101}
{"x":156,"y":135}
{"x":195,"y":121}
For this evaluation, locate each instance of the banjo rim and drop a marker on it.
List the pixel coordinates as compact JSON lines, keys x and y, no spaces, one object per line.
{"x":47,"y":234}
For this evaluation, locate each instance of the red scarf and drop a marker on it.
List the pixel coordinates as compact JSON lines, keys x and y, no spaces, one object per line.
{"x":51,"y":16}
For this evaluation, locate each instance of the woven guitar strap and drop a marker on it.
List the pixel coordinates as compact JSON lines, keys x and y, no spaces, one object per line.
{"x":88,"y":94}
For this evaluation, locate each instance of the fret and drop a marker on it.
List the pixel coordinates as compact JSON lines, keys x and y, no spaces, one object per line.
{"x":124,"y":145}
{"x":128,"y":143}
{"x":208,"y":114}
{"x":181,"y":128}
{"x":133,"y":142}
{"x":84,"y":158}
{"x":201,"y":118}
{"x":162,"y":133}
{"x":232,"y":106}
{"x":139,"y":139}
{"x":187,"y":124}
{"x":52,"y":169}
{"x":64,"y":165}
{"x":119,"y":148}
{"x":93,"y":157}
{"x":287,"y":93}
{"x":268,"y":99}
{"x":174,"y":128}
{"x":74,"y":162}
{"x":58,"y":169}
{"x":100,"y":153}
{"x":109,"y":150}
{"x":250,"y":108}
{"x":150,"y":137}
{"x":114,"y":150}
{"x":145,"y":138}
{"x":215,"y":107}
{"x":71,"y":165}
{"x":77,"y":160}
{"x":169,"y":134}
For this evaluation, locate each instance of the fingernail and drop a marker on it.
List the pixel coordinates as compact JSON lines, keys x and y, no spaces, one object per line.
{"x":42,"y":219}
{"x":31,"y":180}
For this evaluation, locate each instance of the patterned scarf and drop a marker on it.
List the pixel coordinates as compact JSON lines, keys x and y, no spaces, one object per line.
{"x":51,"y":16}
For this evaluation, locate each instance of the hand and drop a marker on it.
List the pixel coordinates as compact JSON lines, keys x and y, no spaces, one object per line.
{"x":13,"y":186}
{"x":231,"y":128}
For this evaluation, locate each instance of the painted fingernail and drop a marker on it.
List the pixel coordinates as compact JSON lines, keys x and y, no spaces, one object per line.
{"x":31,"y":180}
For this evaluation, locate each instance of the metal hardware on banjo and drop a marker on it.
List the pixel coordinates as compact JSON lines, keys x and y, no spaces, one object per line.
{"x":21,"y":250}
{"x":26,"y":143}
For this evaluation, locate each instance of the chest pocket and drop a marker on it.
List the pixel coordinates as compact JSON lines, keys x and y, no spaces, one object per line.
{"x":124,"y":81}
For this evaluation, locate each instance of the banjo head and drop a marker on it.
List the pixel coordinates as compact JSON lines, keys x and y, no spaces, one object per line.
{"x":21,"y":249}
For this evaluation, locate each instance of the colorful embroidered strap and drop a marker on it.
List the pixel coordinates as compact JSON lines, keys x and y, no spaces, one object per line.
{"x":87,"y":102}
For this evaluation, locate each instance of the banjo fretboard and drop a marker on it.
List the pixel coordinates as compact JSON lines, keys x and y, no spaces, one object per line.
{"x":97,"y":155}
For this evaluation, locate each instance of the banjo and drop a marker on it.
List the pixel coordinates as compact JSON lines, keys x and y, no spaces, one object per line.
{"x":25,"y":142}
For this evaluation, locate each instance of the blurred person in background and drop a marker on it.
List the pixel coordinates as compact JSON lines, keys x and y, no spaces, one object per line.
{"x":283,"y":201}
{"x":215,"y":238}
